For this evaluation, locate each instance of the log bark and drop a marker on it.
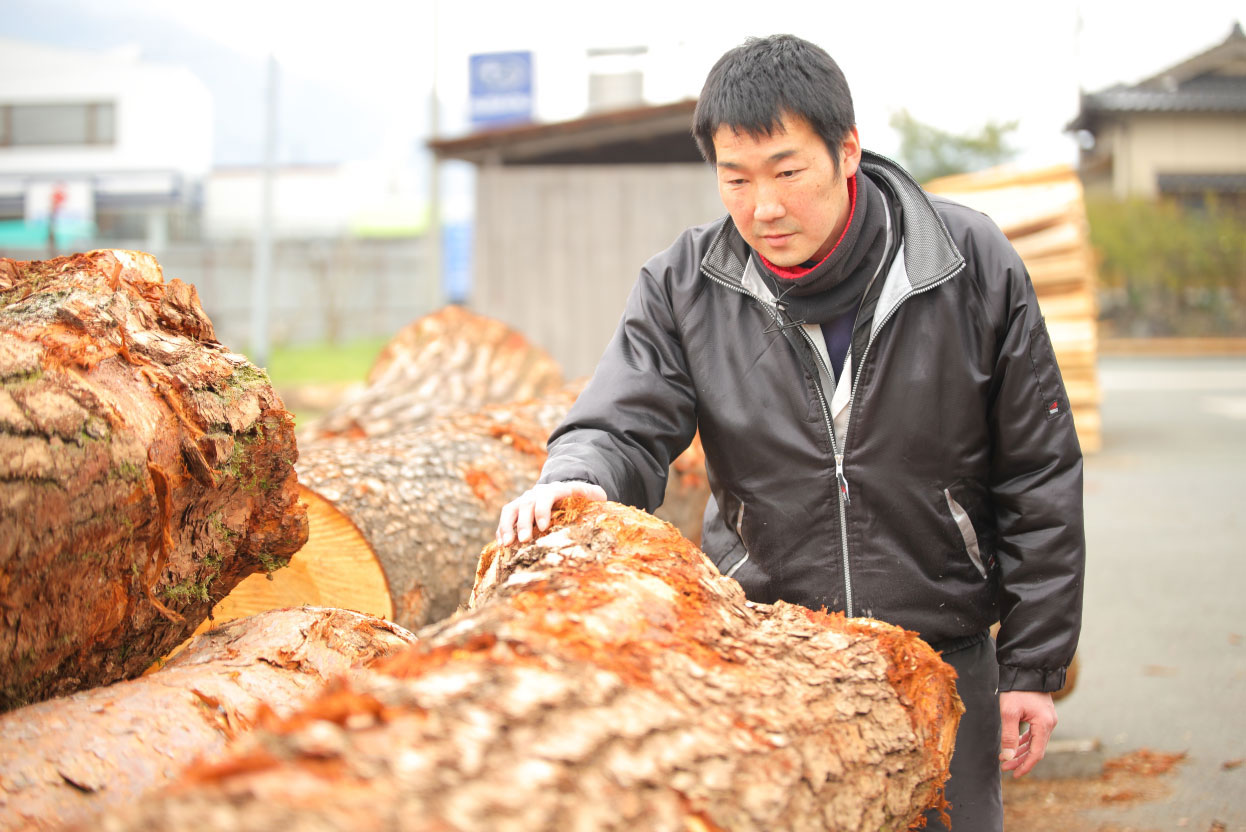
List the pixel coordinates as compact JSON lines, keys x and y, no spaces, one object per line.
{"x":425,"y":502}
{"x":452,"y":360}
{"x":144,"y":471}
{"x":606,"y":678}
{"x":397,"y":522}
{"x":66,"y":759}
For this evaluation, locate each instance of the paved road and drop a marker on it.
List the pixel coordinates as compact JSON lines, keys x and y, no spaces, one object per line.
{"x":1163,"y":646}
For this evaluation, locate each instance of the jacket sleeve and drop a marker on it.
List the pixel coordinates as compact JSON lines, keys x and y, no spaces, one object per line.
{"x":638,"y":412}
{"x":1036,"y":486}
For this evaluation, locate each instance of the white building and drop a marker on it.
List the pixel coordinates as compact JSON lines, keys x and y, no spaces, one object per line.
{"x":125,"y":145}
{"x":350,"y":199}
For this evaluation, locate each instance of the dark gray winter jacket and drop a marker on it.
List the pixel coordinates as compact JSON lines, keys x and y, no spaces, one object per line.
{"x":951,"y":496}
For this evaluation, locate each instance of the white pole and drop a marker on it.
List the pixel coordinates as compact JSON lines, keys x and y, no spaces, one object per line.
{"x":263,"y":262}
{"x":434,"y":186}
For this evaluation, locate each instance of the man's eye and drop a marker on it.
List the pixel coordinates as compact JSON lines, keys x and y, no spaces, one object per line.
{"x":787,"y":174}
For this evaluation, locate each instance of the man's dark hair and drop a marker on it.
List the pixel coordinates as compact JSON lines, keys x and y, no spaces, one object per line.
{"x":754,"y":85}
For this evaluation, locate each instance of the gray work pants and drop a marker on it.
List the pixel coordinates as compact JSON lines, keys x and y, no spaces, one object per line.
{"x":975,"y":789}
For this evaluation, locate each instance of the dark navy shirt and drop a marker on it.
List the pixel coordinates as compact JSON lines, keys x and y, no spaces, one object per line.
{"x":838,"y":336}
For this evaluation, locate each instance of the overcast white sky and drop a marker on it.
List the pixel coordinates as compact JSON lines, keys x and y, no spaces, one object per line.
{"x":955,"y":64}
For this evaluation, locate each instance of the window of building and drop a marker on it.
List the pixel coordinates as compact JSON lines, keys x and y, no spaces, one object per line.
{"x":41,"y":125}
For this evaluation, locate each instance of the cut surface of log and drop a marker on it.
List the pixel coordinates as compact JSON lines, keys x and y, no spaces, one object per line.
{"x":65,"y":759}
{"x":606,"y":677}
{"x":144,"y":470}
{"x":336,"y":568}
{"x":452,"y":360}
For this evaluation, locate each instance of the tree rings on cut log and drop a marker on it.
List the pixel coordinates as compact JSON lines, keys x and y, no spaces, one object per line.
{"x":335,"y":569}
{"x":144,"y":470}
{"x":606,"y":677}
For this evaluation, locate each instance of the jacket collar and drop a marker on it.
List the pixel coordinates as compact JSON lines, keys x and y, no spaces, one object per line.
{"x":930,"y":255}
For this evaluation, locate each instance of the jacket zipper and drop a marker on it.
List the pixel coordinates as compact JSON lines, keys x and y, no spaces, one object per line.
{"x":830,"y":428}
{"x":840,"y":479}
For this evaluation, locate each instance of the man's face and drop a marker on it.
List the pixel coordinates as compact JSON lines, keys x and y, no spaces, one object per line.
{"x":782,"y":190}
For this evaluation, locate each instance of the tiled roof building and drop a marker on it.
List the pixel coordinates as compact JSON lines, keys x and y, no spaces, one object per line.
{"x":1181,"y":132}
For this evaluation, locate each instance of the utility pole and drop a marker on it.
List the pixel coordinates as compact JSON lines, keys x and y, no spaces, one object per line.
{"x":261,"y":281}
{"x":433,"y":231}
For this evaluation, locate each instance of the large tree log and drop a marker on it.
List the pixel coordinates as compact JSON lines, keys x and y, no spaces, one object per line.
{"x":400,"y":488}
{"x":449,"y":361}
{"x":397,"y":522}
{"x":607,"y":678}
{"x":454,"y":361}
{"x":144,"y":471}
{"x":66,"y":759}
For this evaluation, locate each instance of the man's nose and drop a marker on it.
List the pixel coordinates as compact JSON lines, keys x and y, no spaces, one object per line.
{"x":768,"y":207}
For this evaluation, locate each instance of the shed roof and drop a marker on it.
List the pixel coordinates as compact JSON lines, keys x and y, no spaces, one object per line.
{"x":648,"y":134}
{"x":1213,"y":81}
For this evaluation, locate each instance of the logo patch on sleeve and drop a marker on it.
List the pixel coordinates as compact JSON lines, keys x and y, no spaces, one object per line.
{"x":1053,"y":408}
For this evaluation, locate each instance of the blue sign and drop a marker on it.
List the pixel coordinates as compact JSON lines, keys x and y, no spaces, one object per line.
{"x":500,"y":88}
{"x":456,"y":261}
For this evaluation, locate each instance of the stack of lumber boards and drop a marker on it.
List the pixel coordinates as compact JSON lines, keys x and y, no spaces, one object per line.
{"x":1043,"y":214}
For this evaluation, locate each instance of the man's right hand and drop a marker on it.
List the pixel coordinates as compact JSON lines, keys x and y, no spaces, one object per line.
{"x":534,"y":506}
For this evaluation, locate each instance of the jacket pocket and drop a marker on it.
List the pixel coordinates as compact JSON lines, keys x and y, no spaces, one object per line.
{"x":968,"y":534}
{"x":1051,"y":393}
{"x":723,"y":540}
{"x":737,"y":525}
{"x":718,"y":539}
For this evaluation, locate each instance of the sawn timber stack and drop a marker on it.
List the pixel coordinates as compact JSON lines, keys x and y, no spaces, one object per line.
{"x":1043,"y":214}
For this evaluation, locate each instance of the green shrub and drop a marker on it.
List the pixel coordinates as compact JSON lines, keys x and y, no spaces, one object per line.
{"x":1165,"y":269}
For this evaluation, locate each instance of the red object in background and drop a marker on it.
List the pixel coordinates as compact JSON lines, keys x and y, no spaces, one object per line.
{"x":58,"y":199}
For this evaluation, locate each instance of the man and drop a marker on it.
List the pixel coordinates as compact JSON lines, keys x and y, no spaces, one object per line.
{"x":885,"y":428}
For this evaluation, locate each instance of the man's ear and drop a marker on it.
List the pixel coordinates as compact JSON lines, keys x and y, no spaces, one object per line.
{"x":850,"y":153}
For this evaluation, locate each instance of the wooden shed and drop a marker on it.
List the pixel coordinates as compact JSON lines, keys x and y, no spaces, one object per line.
{"x":567,"y":213}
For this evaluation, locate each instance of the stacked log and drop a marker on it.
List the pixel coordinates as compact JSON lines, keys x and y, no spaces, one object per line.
{"x":65,"y":760}
{"x":144,"y":471}
{"x":402,"y":498}
{"x":1044,"y":216}
{"x":447,"y":362}
{"x":397,"y":522}
{"x":607,"y":677}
